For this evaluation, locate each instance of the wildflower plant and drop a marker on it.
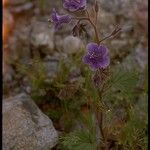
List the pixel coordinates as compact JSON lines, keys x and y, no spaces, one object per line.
{"x":102,"y":80}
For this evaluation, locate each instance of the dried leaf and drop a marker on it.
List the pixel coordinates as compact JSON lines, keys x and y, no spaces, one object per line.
{"x":68,"y":91}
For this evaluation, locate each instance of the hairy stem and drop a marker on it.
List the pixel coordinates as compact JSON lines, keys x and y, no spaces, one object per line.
{"x":115,"y":31}
{"x":94,"y":26}
{"x":96,"y":13}
{"x":107,"y":37}
{"x":91,"y":22}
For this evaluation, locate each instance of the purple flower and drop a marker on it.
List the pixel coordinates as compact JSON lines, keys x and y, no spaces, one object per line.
{"x":58,"y":20}
{"x":74,"y":5}
{"x":97,"y":56}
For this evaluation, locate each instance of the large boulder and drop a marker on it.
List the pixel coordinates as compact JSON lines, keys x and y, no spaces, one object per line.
{"x":72,"y":44}
{"x":25,"y":127}
{"x":42,"y":37}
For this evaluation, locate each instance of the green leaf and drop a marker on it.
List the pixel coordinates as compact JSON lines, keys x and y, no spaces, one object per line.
{"x":123,"y":82}
{"x":79,"y":140}
{"x":146,"y":79}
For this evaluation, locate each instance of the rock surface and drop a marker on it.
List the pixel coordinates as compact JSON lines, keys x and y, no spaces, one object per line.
{"x":25,"y":127}
{"x":72,"y":44}
{"x":42,"y":37}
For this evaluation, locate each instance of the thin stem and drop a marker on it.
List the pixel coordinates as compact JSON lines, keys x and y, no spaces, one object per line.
{"x":101,"y":126}
{"x":88,"y":19}
{"x":94,"y":26}
{"x":95,"y":29}
{"x":96,"y":13}
{"x":115,"y":31}
{"x":80,"y":18}
{"x":107,"y":37}
{"x":96,"y":18}
{"x":87,"y":13}
{"x":99,"y":116}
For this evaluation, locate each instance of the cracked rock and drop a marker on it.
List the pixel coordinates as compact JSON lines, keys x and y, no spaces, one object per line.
{"x":25,"y":127}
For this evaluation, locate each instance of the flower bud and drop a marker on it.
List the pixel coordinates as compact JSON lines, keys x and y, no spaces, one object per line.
{"x":75,"y":31}
{"x":96,"y":7}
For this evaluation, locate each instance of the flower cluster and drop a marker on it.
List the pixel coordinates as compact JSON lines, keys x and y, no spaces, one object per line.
{"x":74,"y":5}
{"x":97,"y":56}
{"x":58,"y":20}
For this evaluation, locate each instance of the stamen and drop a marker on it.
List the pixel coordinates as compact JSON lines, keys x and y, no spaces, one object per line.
{"x":78,"y":1}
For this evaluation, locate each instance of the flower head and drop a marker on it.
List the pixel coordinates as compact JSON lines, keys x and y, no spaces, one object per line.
{"x":97,"y":56}
{"x":58,"y":20}
{"x":74,"y":5}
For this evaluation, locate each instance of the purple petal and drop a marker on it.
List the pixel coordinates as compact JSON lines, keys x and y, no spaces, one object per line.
{"x":58,"y":20}
{"x":74,"y":5}
{"x":97,"y":56}
{"x":91,"y":46}
{"x":54,"y":15}
{"x":71,"y":6}
{"x":103,"y":50}
{"x":86,"y":59}
{"x":94,"y":63}
{"x":83,"y":3}
{"x":94,"y":66}
{"x":64,"y":19}
{"x":104,"y":62}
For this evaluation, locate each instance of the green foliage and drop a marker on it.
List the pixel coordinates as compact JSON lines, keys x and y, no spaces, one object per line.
{"x":84,"y":138}
{"x":41,"y":5}
{"x":35,"y":72}
{"x":89,"y":89}
{"x":54,"y":114}
{"x":63,"y":72}
{"x":134,"y":132}
{"x":79,"y":140}
{"x":69,"y":97}
{"x":146,"y":79}
{"x":121,"y":89}
{"x":122,"y":84}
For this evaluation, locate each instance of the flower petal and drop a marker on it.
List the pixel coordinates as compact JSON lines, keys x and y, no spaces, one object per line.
{"x":103,"y":50}
{"x":94,"y":66}
{"x":71,"y":5}
{"x":104,"y":62}
{"x":83,"y":3}
{"x":58,"y":20}
{"x":64,"y":19}
{"x":74,"y":5}
{"x":94,"y":63}
{"x":91,"y":46}
{"x":54,"y":15}
{"x":97,"y":56}
{"x":86,"y":59}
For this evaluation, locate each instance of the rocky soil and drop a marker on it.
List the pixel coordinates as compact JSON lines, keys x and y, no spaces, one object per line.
{"x":28,"y":35}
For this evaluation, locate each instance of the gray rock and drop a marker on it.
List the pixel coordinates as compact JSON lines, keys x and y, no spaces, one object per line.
{"x":141,"y":56}
{"x":8,"y":73}
{"x":138,"y":59}
{"x":119,"y":44}
{"x":51,"y":67}
{"x":58,"y":42}
{"x":8,"y":24}
{"x":19,"y":42}
{"x":42,"y":37}
{"x":72,"y":44}
{"x":25,"y":127}
{"x":117,"y":7}
{"x":22,"y":8}
{"x":16,"y":2}
{"x":106,"y":19}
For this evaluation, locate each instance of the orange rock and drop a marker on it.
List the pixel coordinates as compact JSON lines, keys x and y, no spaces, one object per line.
{"x":8,"y":23}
